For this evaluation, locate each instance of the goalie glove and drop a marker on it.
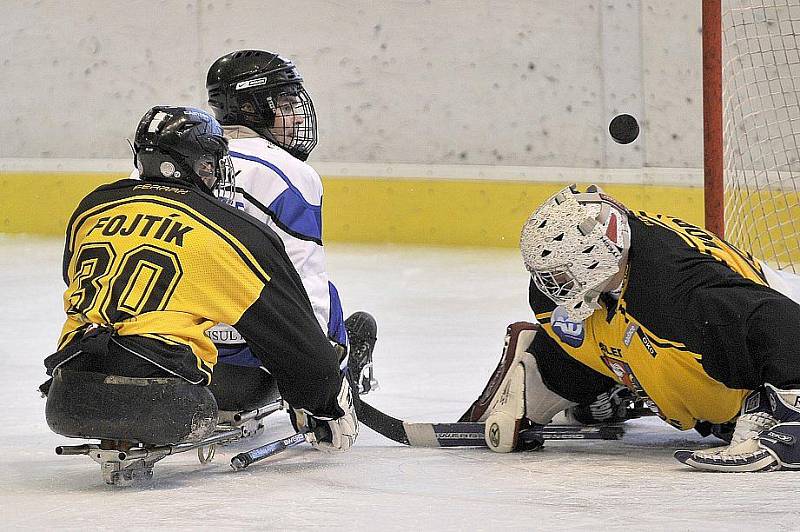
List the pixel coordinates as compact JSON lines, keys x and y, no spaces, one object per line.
{"x":330,"y":434}
{"x":614,"y":406}
{"x":766,"y":438}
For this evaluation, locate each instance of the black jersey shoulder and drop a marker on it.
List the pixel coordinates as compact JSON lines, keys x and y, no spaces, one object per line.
{"x":683,"y":294}
{"x":248,"y":231}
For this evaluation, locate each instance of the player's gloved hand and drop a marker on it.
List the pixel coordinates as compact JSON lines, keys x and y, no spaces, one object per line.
{"x":614,"y":406}
{"x":330,"y":434}
{"x":723,"y":431}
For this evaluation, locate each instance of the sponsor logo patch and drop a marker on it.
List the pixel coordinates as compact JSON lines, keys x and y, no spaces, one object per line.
{"x":648,"y":345}
{"x":622,"y":370}
{"x":751,"y":402}
{"x":629,"y":332}
{"x":221,"y":334}
{"x":777,"y":436}
{"x":569,"y":331}
{"x":625,"y":375}
{"x":494,"y":435}
{"x":160,"y":188}
{"x":251,"y":83}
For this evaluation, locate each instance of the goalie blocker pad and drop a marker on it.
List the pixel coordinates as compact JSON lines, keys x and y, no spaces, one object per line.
{"x":152,"y":411}
{"x":540,"y":403}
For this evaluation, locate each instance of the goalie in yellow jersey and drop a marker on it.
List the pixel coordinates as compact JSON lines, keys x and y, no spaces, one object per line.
{"x":655,"y":308}
{"x":151,"y":265}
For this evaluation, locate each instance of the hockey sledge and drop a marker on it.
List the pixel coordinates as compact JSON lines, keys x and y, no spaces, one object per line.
{"x":124,"y":463}
{"x":118,"y":411}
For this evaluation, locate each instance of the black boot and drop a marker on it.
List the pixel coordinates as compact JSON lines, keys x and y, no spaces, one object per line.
{"x":362,"y":331}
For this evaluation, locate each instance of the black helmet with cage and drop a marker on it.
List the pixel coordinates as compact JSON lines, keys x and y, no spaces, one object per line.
{"x":184,"y":144}
{"x":263,"y":91}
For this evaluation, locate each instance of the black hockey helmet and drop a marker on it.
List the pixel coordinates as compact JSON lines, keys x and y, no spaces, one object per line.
{"x":184,"y":144}
{"x":263,"y":91}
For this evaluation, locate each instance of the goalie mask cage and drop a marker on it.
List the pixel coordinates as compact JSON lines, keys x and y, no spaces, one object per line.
{"x":751,"y":84}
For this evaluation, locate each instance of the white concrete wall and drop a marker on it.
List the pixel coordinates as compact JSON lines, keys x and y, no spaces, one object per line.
{"x":506,"y":82}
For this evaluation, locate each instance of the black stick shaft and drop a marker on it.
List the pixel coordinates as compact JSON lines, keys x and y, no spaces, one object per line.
{"x":470,"y":434}
{"x":242,"y":460}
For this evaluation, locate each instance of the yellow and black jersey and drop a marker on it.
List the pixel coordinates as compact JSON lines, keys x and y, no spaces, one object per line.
{"x":695,"y":328}
{"x":162,"y":263}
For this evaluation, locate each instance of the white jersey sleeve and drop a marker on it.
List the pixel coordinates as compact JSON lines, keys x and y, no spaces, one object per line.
{"x":286,"y":194}
{"x":786,"y":283}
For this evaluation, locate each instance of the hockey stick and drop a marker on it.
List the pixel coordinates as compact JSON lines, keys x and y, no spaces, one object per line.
{"x":471,"y":434}
{"x":242,"y":460}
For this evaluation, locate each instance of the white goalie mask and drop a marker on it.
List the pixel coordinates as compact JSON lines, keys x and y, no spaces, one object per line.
{"x":573,"y":245}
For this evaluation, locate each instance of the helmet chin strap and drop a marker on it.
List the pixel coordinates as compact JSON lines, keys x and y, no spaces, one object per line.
{"x":135,"y":157}
{"x":267,"y":134}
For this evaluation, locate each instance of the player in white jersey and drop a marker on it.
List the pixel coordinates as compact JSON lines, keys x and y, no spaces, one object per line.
{"x":269,"y":120}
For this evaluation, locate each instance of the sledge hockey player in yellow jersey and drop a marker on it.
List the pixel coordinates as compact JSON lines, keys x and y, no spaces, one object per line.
{"x":151,"y":265}
{"x":691,"y":326}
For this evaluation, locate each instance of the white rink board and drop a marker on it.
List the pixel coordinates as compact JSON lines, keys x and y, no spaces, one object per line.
{"x":442,"y":315}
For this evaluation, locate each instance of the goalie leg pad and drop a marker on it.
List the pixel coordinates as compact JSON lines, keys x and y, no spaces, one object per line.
{"x":504,"y":419}
{"x":783,"y":440}
{"x":541,"y":404}
{"x":518,"y":338}
{"x":515,"y":393}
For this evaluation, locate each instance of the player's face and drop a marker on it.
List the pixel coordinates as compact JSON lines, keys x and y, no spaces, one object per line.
{"x":558,"y":283}
{"x":205,"y":170}
{"x":217,"y":174}
{"x":288,"y":118}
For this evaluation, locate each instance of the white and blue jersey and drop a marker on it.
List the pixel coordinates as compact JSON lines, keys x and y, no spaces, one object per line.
{"x":286,"y":194}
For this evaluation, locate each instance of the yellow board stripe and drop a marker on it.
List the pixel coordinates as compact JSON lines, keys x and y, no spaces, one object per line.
{"x":362,"y":209}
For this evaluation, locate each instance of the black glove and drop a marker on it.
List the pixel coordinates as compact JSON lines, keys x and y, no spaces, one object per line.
{"x":614,"y":406}
{"x":330,"y":434}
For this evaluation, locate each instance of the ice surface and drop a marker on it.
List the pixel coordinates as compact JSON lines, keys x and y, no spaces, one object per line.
{"x":442,"y":315}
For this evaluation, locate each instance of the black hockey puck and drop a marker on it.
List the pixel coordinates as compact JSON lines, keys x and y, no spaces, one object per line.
{"x":624,"y":129}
